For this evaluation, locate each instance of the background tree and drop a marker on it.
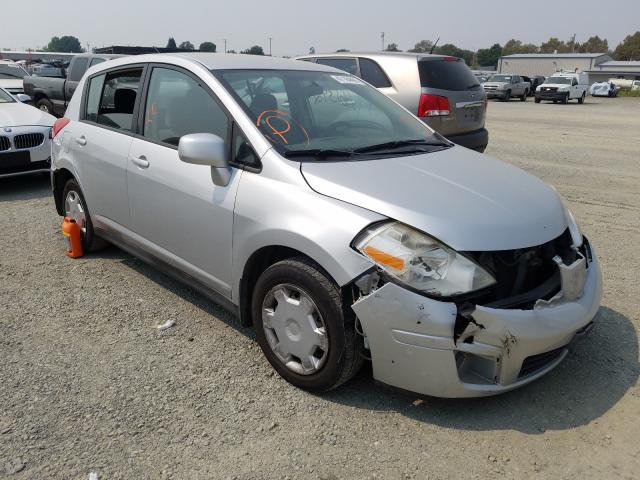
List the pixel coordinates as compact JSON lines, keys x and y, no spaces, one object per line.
{"x":488,"y":57}
{"x":231,"y":51}
{"x":342,"y":50}
{"x":171,"y":43}
{"x":187,"y":45}
{"x":312,"y":50}
{"x":207,"y":47}
{"x":423,"y":46}
{"x":554,"y":45}
{"x":392,"y":47}
{"x":453,"y":51}
{"x":255,"y":50}
{"x":629,"y":49}
{"x":595,"y":44}
{"x":516,"y":46}
{"x":67,"y":44}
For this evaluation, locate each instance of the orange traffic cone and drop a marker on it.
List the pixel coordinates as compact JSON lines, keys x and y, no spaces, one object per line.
{"x":72,"y":233}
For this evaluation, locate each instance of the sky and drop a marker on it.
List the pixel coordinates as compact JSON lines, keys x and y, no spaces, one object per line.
{"x":326,"y":25}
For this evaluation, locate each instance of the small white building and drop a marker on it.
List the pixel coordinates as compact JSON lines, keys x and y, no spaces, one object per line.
{"x":615,"y":69}
{"x":546,"y":64}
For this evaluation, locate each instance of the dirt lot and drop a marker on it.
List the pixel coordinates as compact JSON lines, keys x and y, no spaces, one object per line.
{"x":87,"y":384}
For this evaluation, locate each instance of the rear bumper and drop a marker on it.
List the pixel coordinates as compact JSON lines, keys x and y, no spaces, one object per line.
{"x":476,"y":140}
{"x":411,"y":338}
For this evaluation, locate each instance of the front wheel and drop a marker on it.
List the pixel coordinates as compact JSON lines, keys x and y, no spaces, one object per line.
{"x":524,"y":96}
{"x":75,"y":207}
{"x":45,"y":105}
{"x":537,"y":100}
{"x":507,"y":96}
{"x":566,"y":99}
{"x":302,"y":326}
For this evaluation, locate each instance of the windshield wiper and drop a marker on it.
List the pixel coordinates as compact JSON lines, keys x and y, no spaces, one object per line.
{"x":318,"y":152}
{"x":401,"y":143}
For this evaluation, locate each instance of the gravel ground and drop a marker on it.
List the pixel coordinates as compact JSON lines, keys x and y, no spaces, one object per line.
{"x":88,"y":384}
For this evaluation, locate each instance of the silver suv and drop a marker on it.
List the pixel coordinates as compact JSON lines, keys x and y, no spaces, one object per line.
{"x":328,"y":217}
{"x":442,"y":91}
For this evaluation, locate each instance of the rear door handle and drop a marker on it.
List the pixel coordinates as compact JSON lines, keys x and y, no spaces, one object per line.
{"x":141,"y":161}
{"x":81,"y":141}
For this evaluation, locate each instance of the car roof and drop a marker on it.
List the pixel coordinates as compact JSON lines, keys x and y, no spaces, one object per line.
{"x":420,"y":56}
{"x":222,"y":61}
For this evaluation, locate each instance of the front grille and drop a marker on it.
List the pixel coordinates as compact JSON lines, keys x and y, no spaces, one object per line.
{"x":549,"y":89}
{"x":490,"y":87}
{"x":28,"y":140}
{"x":535,"y":363}
{"x":525,"y":275}
{"x":5,"y":144}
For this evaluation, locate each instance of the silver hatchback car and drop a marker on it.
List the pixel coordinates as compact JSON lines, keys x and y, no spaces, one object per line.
{"x":440,"y":90}
{"x":328,"y":217}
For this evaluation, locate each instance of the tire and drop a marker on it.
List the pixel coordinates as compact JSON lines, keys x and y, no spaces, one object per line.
{"x":341,"y":358}
{"x":524,"y":96}
{"x":566,"y":99}
{"x":537,"y":100}
{"x":581,"y":99}
{"x":555,"y":101}
{"x":507,"y":96}
{"x":90,"y":241}
{"x":45,"y":105}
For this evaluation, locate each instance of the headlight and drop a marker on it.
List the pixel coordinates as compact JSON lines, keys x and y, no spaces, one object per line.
{"x":420,"y":261}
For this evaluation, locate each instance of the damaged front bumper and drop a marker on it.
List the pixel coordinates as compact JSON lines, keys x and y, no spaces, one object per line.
{"x":414,"y":346}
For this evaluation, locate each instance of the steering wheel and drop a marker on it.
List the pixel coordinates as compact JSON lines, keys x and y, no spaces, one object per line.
{"x":368,"y":124}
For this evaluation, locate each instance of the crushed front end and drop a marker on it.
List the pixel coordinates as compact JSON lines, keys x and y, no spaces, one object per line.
{"x":489,"y":342}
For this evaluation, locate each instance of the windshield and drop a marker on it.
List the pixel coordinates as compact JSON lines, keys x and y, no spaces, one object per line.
{"x":500,"y":78}
{"x":5,"y":97}
{"x":12,"y":71}
{"x":557,"y":80}
{"x":325,"y":114}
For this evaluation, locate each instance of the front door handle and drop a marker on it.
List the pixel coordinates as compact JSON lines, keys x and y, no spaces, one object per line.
{"x":141,"y":161}
{"x":81,"y":141}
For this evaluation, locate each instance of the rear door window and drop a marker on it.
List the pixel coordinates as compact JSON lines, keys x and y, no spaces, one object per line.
{"x":347,"y":64}
{"x":372,"y":73}
{"x":118,"y":99}
{"x":446,"y":74}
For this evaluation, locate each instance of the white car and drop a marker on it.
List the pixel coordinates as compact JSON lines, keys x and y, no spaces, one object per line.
{"x":25,"y":146}
{"x":11,"y":75}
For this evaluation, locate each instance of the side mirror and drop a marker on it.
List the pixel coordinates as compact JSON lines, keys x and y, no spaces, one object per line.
{"x":206,"y":149}
{"x":23,"y":98}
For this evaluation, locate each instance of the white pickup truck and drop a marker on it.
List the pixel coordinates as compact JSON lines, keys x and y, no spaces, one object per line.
{"x":562,"y":87}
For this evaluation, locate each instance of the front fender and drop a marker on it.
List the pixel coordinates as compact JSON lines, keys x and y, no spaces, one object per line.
{"x":272,"y":212}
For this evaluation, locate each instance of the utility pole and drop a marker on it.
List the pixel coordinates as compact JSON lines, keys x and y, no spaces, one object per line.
{"x":573,"y":43}
{"x":225,"y":45}
{"x":382,"y":37}
{"x":270,"y":45}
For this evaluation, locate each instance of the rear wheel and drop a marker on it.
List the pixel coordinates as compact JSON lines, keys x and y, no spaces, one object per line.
{"x":75,"y":207}
{"x":302,"y":326}
{"x":524,"y":96}
{"x":581,"y":99}
{"x":537,"y":100}
{"x":45,"y":105}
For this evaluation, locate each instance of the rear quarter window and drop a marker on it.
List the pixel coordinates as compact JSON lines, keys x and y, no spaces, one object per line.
{"x":446,"y":75}
{"x":372,"y":73}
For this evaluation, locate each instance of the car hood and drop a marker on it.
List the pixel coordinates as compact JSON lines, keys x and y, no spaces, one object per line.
{"x":18,"y":114}
{"x":494,"y":84}
{"x":465,"y":199}
{"x":11,"y":83}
